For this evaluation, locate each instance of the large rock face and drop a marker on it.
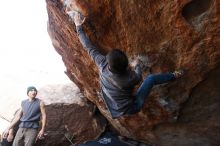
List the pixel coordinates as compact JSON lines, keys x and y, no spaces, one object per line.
{"x":171,"y":34}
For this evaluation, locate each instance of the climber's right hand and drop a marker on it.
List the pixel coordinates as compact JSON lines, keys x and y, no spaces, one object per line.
{"x":78,"y":19}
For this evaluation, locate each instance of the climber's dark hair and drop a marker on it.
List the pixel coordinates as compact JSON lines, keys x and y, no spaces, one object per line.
{"x":118,"y":61}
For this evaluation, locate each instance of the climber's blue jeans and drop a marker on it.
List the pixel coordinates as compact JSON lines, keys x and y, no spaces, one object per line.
{"x":145,"y":88}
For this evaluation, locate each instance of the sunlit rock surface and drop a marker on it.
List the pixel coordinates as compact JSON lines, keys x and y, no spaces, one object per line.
{"x":61,"y":93}
{"x":70,"y":116}
{"x":172,"y":35}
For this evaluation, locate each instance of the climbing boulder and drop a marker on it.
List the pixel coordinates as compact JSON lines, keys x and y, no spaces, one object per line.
{"x":169,"y":35}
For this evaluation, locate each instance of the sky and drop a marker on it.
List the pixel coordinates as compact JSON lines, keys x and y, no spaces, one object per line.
{"x":27,"y":56}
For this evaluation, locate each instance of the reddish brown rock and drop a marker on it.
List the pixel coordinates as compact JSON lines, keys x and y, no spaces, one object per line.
{"x":172,"y":34}
{"x":69,"y":116}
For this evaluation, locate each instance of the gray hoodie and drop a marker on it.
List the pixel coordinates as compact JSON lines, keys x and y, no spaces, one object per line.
{"x":116,"y":89}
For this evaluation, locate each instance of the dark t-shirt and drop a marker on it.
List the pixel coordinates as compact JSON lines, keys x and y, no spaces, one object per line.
{"x":31,"y":113}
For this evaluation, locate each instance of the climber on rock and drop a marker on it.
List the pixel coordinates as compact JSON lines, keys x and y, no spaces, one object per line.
{"x":117,"y":79}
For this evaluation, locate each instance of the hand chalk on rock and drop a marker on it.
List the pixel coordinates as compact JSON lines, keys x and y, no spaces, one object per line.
{"x":73,"y":13}
{"x":80,"y":6}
